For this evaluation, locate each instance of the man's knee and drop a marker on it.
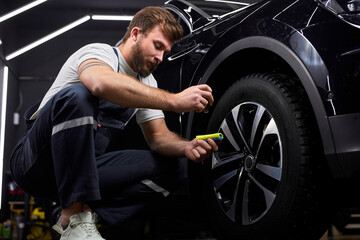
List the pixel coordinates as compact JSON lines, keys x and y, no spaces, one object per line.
{"x":170,"y":172}
{"x":75,"y":100}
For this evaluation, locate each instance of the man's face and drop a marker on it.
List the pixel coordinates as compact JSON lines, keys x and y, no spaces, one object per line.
{"x":149,"y":51}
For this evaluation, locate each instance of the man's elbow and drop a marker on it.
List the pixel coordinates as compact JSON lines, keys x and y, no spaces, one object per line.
{"x":154,"y":147}
{"x":96,"y":87}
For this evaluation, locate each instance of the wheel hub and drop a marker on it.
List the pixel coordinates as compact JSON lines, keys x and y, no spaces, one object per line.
{"x":249,"y":163}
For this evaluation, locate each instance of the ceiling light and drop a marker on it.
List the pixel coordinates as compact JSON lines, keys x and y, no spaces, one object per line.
{"x":47,"y":38}
{"x":2,"y":123}
{"x":112,"y":17}
{"x":20,"y":10}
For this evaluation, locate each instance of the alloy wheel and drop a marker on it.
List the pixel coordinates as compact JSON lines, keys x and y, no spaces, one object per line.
{"x":246,"y":171}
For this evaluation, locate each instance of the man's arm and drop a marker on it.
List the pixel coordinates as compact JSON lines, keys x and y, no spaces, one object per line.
{"x":165,"y":142}
{"x":126,"y":91}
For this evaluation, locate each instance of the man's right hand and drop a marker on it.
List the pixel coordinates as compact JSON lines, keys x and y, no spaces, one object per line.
{"x":194,"y":98}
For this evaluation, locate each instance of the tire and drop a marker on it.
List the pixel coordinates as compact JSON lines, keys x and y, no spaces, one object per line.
{"x":265,"y":182}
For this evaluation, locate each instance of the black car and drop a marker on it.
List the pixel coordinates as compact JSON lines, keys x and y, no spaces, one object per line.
{"x":285,"y":75}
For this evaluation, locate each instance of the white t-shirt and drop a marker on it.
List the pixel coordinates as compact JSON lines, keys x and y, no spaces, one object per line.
{"x":68,"y":75}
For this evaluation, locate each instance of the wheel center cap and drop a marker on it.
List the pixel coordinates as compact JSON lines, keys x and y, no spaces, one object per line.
{"x":249,"y":163}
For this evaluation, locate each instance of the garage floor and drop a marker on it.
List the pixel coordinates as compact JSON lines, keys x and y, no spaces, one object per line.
{"x":182,"y":230}
{"x":341,"y":238}
{"x":177,"y":221}
{"x":333,"y":234}
{"x":190,"y":233}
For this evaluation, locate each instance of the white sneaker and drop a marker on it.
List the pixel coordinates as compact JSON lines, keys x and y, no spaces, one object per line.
{"x":58,"y":228}
{"x":81,"y":227}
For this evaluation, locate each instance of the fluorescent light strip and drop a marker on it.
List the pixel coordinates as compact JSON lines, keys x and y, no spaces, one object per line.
{"x":47,"y":38}
{"x":20,"y":10}
{"x":64,"y":29}
{"x":112,"y":17}
{"x":224,"y":1}
{"x":0,"y":42}
{"x":2,"y":127}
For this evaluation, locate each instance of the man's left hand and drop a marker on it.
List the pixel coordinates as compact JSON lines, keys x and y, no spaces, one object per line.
{"x":199,"y":150}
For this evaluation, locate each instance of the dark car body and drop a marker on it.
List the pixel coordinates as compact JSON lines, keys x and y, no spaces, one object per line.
{"x":315,"y":42}
{"x":318,"y":47}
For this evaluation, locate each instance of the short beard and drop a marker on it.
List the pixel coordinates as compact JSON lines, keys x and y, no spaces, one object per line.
{"x":139,"y":61}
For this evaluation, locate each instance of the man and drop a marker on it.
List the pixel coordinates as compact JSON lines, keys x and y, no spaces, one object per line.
{"x":62,"y":157}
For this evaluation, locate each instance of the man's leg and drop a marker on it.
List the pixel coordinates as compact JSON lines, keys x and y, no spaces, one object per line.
{"x":72,"y":144}
{"x":131,"y":180}
{"x":57,"y":158}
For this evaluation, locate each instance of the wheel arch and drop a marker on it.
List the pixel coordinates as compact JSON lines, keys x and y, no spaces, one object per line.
{"x":263,"y":49}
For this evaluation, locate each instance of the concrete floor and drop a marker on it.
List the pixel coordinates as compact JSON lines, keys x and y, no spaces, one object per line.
{"x":178,"y":222}
{"x":333,"y":234}
{"x":184,"y":229}
{"x":342,"y":238}
{"x":181,"y":227}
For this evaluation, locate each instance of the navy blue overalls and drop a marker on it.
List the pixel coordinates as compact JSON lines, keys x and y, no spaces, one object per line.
{"x":63,"y":157}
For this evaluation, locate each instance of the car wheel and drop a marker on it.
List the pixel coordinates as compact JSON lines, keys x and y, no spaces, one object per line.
{"x":265,"y":182}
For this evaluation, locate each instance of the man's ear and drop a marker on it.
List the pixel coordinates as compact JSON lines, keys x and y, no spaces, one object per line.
{"x":135,"y":33}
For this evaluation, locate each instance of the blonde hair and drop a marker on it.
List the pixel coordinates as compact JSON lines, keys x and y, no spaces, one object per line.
{"x":149,"y":17}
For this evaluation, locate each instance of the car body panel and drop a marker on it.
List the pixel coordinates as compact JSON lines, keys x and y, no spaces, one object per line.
{"x":307,"y":46}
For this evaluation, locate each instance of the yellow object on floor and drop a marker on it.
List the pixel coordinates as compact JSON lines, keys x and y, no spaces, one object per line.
{"x":39,"y":230}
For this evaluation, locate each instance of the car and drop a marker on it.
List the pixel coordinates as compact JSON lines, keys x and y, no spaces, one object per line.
{"x":285,"y":75}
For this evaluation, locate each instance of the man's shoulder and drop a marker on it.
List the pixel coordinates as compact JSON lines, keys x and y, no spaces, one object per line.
{"x":96,"y":46}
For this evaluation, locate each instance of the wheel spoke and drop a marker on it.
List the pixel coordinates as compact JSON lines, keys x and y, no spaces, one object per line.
{"x":223,"y":179}
{"x":235,"y":114}
{"x":258,"y":115}
{"x":271,"y":128}
{"x":274,"y":172}
{"x":231,"y":213}
{"x":217,"y":162}
{"x":245,"y":204}
{"x":269,"y":196}
{"x":229,"y":136}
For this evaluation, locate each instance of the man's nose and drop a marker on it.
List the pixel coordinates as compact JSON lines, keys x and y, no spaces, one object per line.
{"x":159,"y":56}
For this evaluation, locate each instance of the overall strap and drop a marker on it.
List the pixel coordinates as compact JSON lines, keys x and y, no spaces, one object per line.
{"x":118,"y":68}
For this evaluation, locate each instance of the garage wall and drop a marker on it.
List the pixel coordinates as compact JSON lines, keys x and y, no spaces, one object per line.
{"x":10,"y":129}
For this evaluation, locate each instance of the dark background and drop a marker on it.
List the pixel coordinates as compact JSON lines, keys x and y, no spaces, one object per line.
{"x":32,"y":73}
